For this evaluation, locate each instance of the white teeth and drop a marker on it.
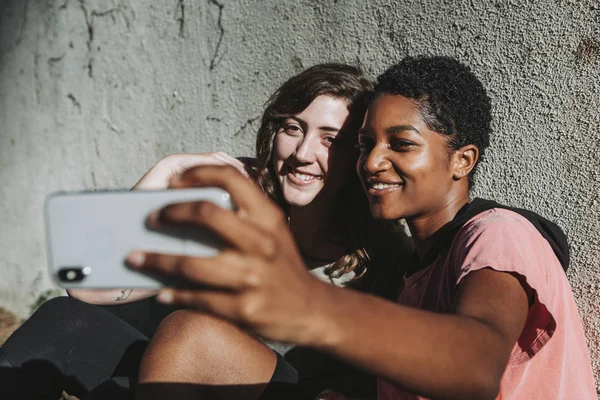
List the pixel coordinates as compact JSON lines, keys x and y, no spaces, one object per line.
{"x":381,"y":186}
{"x":305,"y":177}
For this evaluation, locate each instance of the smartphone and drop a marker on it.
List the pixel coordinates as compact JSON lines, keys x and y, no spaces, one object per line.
{"x":89,"y":235}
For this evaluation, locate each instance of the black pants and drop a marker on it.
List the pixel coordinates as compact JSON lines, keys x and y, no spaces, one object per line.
{"x":89,"y":351}
{"x":71,"y":345}
{"x":94,"y":352}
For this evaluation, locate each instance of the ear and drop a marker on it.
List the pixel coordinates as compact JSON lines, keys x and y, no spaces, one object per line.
{"x":463,"y":161}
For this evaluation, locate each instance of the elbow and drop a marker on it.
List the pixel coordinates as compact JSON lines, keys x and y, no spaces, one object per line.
{"x":485,"y":384}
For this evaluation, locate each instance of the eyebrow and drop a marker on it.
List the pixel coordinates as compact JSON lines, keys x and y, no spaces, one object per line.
{"x":391,"y":130}
{"x":321,"y":128}
{"x":399,"y":128}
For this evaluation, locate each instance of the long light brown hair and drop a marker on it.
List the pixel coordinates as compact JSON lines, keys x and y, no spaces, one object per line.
{"x":351,"y":214}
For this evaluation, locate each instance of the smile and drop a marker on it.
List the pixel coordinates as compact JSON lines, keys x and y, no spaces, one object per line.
{"x":381,"y":186}
{"x":302,"y":178}
{"x":379,"y":189}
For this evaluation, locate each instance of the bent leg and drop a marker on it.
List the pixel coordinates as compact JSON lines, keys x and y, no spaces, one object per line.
{"x":72,"y":345}
{"x":199,"y":356}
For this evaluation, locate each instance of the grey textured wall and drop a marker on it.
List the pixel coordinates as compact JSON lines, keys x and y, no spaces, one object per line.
{"x":94,"y":92}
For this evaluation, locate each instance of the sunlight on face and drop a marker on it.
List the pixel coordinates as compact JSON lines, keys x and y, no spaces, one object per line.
{"x":304,"y":151}
{"x":403,"y":164}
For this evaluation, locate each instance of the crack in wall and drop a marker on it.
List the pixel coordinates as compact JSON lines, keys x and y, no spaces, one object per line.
{"x":89,"y":21}
{"x":90,"y":31}
{"x":180,"y":7}
{"x":74,"y":101}
{"x":97,"y":148}
{"x":214,"y":61}
{"x":53,"y":60}
{"x":248,"y":122}
{"x":94,"y":184}
{"x":36,"y":78}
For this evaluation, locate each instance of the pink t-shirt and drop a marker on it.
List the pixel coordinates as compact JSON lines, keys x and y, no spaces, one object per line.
{"x":550,"y":359}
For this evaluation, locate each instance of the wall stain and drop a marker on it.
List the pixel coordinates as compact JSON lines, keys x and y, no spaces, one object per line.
{"x":214,"y":61}
{"x":297,"y":64}
{"x":588,"y":51}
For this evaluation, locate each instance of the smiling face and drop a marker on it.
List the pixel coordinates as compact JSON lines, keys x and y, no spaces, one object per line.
{"x":406,"y":169}
{"x":312,"y":154}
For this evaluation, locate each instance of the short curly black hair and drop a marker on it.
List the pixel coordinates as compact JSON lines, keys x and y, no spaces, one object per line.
{"x":451,"y":99}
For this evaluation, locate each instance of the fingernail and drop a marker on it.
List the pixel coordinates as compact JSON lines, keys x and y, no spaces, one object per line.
{"x":165,"y":296}
{"x":135,"y":259}
{"x":152,"y":219}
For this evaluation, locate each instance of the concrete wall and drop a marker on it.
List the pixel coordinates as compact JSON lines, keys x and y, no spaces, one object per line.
{"x":93,"y":92}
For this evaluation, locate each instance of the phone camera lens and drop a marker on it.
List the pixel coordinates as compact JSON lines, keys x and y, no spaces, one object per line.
{"x":73,"y":274}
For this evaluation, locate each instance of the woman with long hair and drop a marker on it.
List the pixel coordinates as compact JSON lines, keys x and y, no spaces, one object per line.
{"x":305,"y":157}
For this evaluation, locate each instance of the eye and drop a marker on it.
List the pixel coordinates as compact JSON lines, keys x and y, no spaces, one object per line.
{"x":400,"y":144}
{"x":292,"y":129}
{"x":331,"y":141}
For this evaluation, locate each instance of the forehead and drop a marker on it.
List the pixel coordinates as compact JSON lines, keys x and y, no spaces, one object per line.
{"x":326,"y":111}
{"x":388,"y":110}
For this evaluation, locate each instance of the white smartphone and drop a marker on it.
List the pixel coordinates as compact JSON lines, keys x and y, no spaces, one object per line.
{"x":89,"y":235}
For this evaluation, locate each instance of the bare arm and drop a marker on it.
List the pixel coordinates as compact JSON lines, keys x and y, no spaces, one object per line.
{"x":442,"y":356}
{"x":260,"y":281}
{"x":111,"y":296}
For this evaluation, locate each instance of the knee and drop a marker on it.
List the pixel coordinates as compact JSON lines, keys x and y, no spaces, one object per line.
{"x":194,"y":331}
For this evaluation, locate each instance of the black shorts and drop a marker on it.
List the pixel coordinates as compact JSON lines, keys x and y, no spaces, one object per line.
{"x":305,"y":377}
{"x":284,"y":383}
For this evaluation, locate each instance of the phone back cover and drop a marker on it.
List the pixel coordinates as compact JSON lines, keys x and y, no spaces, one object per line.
{"x":99,"y":229}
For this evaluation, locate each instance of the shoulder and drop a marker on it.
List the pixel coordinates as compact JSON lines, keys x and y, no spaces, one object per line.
{"x":496,"y":219}
{"x":505,"y":241}
{"x":498,"y":229}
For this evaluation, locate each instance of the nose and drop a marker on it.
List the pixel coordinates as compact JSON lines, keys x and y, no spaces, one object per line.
{"x":306,"y":151}
{"x":376,"y":161}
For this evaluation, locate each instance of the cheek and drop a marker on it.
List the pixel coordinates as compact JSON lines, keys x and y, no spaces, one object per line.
{"x":360,"y":163}
{"x":283,"y":147}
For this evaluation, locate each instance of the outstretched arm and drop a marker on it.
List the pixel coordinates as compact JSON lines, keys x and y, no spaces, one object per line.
{"x":260,"y":283}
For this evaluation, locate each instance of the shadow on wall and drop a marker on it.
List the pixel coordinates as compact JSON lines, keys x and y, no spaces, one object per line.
{"x":12,"y":29}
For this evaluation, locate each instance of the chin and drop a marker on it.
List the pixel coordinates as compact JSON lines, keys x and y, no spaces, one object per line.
{"x":298,"y":199}
{"x":381,"y":213}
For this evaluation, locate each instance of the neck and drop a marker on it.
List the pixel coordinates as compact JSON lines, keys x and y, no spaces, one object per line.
{"x":313,"y":232}
{"x":423,"y":227}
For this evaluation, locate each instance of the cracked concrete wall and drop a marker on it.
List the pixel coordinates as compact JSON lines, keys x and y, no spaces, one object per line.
{"x":93,"y":92}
